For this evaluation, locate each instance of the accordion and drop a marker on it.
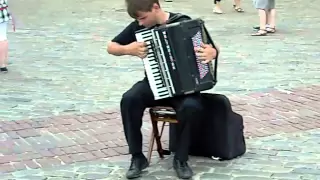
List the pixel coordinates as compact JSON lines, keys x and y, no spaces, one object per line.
{"x":171,"y":65}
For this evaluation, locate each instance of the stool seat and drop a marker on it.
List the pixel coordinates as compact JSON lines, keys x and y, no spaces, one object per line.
{"x":162,"y":109}
{"x":163,"y":114}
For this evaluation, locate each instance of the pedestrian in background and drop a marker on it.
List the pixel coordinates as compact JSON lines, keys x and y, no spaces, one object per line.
{"x":5,"y":17}
{"x":217,"y":7}
{"x":267,"y":17}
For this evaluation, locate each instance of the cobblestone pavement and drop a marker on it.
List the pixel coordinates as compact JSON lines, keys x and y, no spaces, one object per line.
{"x":59,"y":64}
{"x":287,"y":156}
{"x":52,"y":142}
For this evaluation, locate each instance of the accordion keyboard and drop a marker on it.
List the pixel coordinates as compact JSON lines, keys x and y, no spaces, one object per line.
{"x":153,"y":67}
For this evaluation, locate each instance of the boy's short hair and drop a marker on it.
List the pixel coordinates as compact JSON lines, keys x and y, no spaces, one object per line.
{"x":133,"y":6}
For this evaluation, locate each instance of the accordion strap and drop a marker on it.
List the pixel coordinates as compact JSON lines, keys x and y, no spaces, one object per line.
{"x":177,"y":17}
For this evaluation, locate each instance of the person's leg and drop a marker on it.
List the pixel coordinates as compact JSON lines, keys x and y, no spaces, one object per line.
{"x":237,"y":6}
{"x":3,"y":47}
{"x":188,"y":109}
{"x":271,"y":17}
{"x":217,"y":7}
{"x":262,"y":23}
{"x":133,"y":104}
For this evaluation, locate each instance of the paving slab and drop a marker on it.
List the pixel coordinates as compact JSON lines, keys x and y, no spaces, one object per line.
{"x":266,"y":159}
{"x":50,"y":142}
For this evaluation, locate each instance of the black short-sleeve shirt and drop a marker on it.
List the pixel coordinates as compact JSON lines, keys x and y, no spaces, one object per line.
{"x":127,"y":36}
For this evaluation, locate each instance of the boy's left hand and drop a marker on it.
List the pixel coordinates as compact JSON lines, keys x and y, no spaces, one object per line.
{"x":206,"y":53}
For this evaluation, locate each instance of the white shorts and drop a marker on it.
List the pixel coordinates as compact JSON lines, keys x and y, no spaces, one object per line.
{"x":3,"y":31}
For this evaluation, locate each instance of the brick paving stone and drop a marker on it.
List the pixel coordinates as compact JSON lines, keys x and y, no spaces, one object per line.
{"x":264,"y":114}
{"x":252,"y":165}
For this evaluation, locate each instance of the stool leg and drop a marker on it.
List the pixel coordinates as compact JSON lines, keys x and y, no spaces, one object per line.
{"x":151,"y":144}
{"x":162,"y":128}
{"x":157,"y":137}
{"x":165,"y":152}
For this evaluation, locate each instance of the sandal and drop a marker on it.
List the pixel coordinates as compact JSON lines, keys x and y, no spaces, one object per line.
{"x":238,"y":9}
{"x":261,"y":32}
{"x":271,"y":30}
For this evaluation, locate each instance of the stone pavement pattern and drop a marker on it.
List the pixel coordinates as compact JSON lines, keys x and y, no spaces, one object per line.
{"x":59,"y":67}
{"x":64,"y":140}
{"x":59,"y":64}
{"x":290,"y":156}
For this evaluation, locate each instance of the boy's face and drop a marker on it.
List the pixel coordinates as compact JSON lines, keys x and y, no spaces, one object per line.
{"x":148,"y":19}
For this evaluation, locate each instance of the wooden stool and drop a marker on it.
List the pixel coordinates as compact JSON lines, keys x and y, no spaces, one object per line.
{"x":163,"y":114}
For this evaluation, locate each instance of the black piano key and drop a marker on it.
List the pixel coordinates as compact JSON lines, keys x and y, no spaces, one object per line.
{"x":162,"y":91}
{"x":164,"y":95}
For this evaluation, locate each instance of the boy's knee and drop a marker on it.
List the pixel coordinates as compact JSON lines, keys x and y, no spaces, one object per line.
{"x":129,"y":99}
{"x":191,"y":107}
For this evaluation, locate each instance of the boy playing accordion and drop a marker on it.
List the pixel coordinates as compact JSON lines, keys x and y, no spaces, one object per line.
{"x":148,"y":13}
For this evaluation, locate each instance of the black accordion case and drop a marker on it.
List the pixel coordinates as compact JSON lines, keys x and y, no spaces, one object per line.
{"x":219,"y":133}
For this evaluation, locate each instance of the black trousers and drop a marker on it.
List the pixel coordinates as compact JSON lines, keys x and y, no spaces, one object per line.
{"x":133,"y":104}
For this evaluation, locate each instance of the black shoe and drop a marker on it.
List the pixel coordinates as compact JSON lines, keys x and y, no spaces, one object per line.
{"x":182,"y":168}
{"x":138,"y":163}
{"x":4,"y":69}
